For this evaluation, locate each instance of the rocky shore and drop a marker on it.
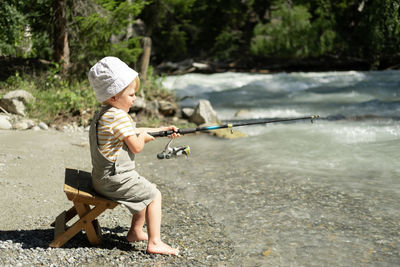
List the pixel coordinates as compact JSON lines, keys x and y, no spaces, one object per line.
{"x":32,"y":164}
{"x":13,"y":113}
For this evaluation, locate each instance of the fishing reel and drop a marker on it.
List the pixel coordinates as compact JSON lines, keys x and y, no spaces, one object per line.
{"x":173,"y":152}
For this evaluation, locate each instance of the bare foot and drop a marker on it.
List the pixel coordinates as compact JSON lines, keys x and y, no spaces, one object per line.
{"x":161,"y":248}
{"x":134,"y":237}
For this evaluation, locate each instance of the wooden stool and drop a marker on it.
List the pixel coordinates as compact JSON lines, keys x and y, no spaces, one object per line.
{"x":78,"y":188}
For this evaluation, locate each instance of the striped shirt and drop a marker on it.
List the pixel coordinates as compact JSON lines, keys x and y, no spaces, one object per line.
{"x":113,"y":126}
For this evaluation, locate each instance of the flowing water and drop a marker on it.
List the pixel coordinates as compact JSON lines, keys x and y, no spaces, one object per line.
{"x":290,"y":194}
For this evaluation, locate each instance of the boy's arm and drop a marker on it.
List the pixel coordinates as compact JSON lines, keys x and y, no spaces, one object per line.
{"x":137,"y":141}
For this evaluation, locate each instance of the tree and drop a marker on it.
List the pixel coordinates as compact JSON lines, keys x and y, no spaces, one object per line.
{"x":61,"y":45}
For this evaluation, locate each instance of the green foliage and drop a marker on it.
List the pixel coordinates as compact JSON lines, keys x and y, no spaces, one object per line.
{"x":169,"y":24}
{"x":378,"y":30}
{"x":323,"y":29}
{"x":25,"y":28}
{"x":65,"y":99}
{"x":175,"y":42}
{"x":11,"y":28}
{"x":102,"y":32}
{"x":195,"y":28}
{"x":220,"y":25}
{"x":286,"y":35}
{"x":227,"y":44}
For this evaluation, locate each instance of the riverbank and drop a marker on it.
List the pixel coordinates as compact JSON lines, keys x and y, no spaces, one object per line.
{"x":273,"y":65}
{"x":32,"y":164}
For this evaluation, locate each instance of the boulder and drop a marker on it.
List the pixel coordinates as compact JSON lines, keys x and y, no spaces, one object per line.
{"x":187,"y":112}
{"x":20,"y":95}
{"x":167,"y":108}
{"x":204,"y":113}
{"x":13,"y":106}
{"x":14,"y":101}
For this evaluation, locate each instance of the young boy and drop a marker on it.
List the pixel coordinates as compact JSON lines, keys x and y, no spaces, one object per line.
{"x":114,"y":141}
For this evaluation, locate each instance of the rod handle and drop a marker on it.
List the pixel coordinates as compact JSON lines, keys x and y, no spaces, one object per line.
{"x":170,"y":132}
{"x":161,"y":133}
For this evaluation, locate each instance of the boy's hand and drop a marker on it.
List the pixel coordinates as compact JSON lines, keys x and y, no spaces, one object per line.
{"x":173,"y":128}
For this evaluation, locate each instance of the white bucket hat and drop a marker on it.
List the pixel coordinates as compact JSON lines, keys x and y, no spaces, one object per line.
{"x":110,"y":76}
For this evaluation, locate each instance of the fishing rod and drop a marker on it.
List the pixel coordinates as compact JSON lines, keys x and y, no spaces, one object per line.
{"x":185,"y":150}
{"x":228,"y":125}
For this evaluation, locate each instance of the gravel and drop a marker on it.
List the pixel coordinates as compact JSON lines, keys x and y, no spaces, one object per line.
{"x":187,"y":225}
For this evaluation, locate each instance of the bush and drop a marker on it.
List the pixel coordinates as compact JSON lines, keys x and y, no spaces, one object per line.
{"x":54,"y":96}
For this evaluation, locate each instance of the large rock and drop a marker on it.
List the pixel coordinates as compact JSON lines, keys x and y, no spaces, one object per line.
{"x":204,"y":113}
{"x":187,"y":112}
{"x":167,"y":108}
{"x":20,"y":95}
{"x":14,"y":101}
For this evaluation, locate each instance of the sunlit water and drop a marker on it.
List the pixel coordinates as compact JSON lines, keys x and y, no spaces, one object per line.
{"x":316,"y":194}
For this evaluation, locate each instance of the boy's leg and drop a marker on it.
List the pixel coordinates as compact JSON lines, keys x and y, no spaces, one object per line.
{"x":153,"y":218}
{"x":136,"y":232}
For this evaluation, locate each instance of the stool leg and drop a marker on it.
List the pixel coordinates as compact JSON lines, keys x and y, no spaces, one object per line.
{"x":97,"y":227}
{"x":82,"y":223}
{"x":92,"y":235}
{"x":69,"y":214}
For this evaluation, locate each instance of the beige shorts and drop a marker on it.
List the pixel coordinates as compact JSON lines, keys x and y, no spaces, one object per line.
{"x":130,"y":189}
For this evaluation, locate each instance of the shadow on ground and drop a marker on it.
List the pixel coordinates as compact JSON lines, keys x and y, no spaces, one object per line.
{"x":41,"y":238}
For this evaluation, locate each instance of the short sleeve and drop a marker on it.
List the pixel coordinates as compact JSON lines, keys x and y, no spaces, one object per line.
{"x":123,"y":125}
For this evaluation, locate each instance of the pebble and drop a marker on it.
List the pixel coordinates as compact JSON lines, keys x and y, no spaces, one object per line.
{"x":17,"y":122}
{"x":43,"y":126}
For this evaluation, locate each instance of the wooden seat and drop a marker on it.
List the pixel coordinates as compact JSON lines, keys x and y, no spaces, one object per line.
{"x":78,"y":188}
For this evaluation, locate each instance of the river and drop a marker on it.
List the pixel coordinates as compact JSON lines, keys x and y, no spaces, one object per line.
{"x":299,"y":194}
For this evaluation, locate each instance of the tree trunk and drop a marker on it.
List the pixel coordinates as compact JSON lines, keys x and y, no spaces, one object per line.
{"x":144,"y":60}
{"x":129,"y":28}
{"x":61,"y":46}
